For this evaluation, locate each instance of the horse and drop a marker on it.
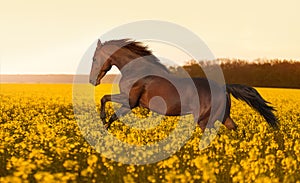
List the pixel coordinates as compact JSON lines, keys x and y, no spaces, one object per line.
{"x":156,"y":90}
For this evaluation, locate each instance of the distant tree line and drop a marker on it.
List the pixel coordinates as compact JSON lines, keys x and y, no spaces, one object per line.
{"x":259,"y":73}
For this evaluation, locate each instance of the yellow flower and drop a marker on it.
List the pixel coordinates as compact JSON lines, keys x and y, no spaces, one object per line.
{"x":41,"y":140}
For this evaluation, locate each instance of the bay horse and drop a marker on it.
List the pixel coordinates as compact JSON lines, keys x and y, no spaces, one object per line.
{"x":155,"y":92}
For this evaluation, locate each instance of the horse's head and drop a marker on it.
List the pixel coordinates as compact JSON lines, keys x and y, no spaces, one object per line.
{"x":101,"y":64}
{"x":119,"y":53}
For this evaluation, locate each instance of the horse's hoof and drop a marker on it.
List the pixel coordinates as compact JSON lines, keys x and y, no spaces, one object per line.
{"x":103,"y":117}
{"x":107,"y":126}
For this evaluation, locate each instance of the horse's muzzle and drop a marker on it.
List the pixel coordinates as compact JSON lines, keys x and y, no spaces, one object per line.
{"x":93,"y":82}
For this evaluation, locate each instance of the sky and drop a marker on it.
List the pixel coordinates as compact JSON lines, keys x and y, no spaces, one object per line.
{"x":51,"y":37}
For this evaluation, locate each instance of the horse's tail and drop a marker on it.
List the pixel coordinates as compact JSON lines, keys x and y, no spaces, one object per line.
{"x":255,"y":100}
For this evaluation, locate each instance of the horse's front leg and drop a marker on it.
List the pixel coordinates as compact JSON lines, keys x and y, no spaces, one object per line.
{"x":119,"y":98}
{"x":120,"y":112}
{"x":103,"y":101}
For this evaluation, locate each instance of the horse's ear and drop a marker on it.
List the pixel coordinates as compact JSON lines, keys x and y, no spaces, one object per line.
{"x":99,"y":44}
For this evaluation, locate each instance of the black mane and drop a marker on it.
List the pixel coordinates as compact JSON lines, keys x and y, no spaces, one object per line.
{"x":137,"y":48}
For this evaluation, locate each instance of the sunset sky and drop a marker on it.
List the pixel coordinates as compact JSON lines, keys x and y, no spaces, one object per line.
{"x":50,"y":37}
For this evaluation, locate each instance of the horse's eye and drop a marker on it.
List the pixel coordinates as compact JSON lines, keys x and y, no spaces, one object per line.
{"x":94,"y":60}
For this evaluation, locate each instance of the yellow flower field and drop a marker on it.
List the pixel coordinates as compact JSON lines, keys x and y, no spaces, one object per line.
{"x":40,"y":141}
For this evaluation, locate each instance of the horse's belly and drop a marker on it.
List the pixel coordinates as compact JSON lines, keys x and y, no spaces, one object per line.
{"x":168,"y":105}
{"x":165,"y":97}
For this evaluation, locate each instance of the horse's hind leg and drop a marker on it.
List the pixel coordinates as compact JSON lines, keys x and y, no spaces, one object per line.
{"x":230,"y":124}
{"x":200,"y":120}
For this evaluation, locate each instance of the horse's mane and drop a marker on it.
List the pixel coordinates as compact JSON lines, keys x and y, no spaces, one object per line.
{"x":139,"y":49}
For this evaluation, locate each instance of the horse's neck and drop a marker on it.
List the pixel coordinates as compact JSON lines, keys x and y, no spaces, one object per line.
{"x":138,"y":69}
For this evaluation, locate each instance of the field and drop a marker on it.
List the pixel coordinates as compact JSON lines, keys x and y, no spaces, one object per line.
{"x":40,"y":141}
